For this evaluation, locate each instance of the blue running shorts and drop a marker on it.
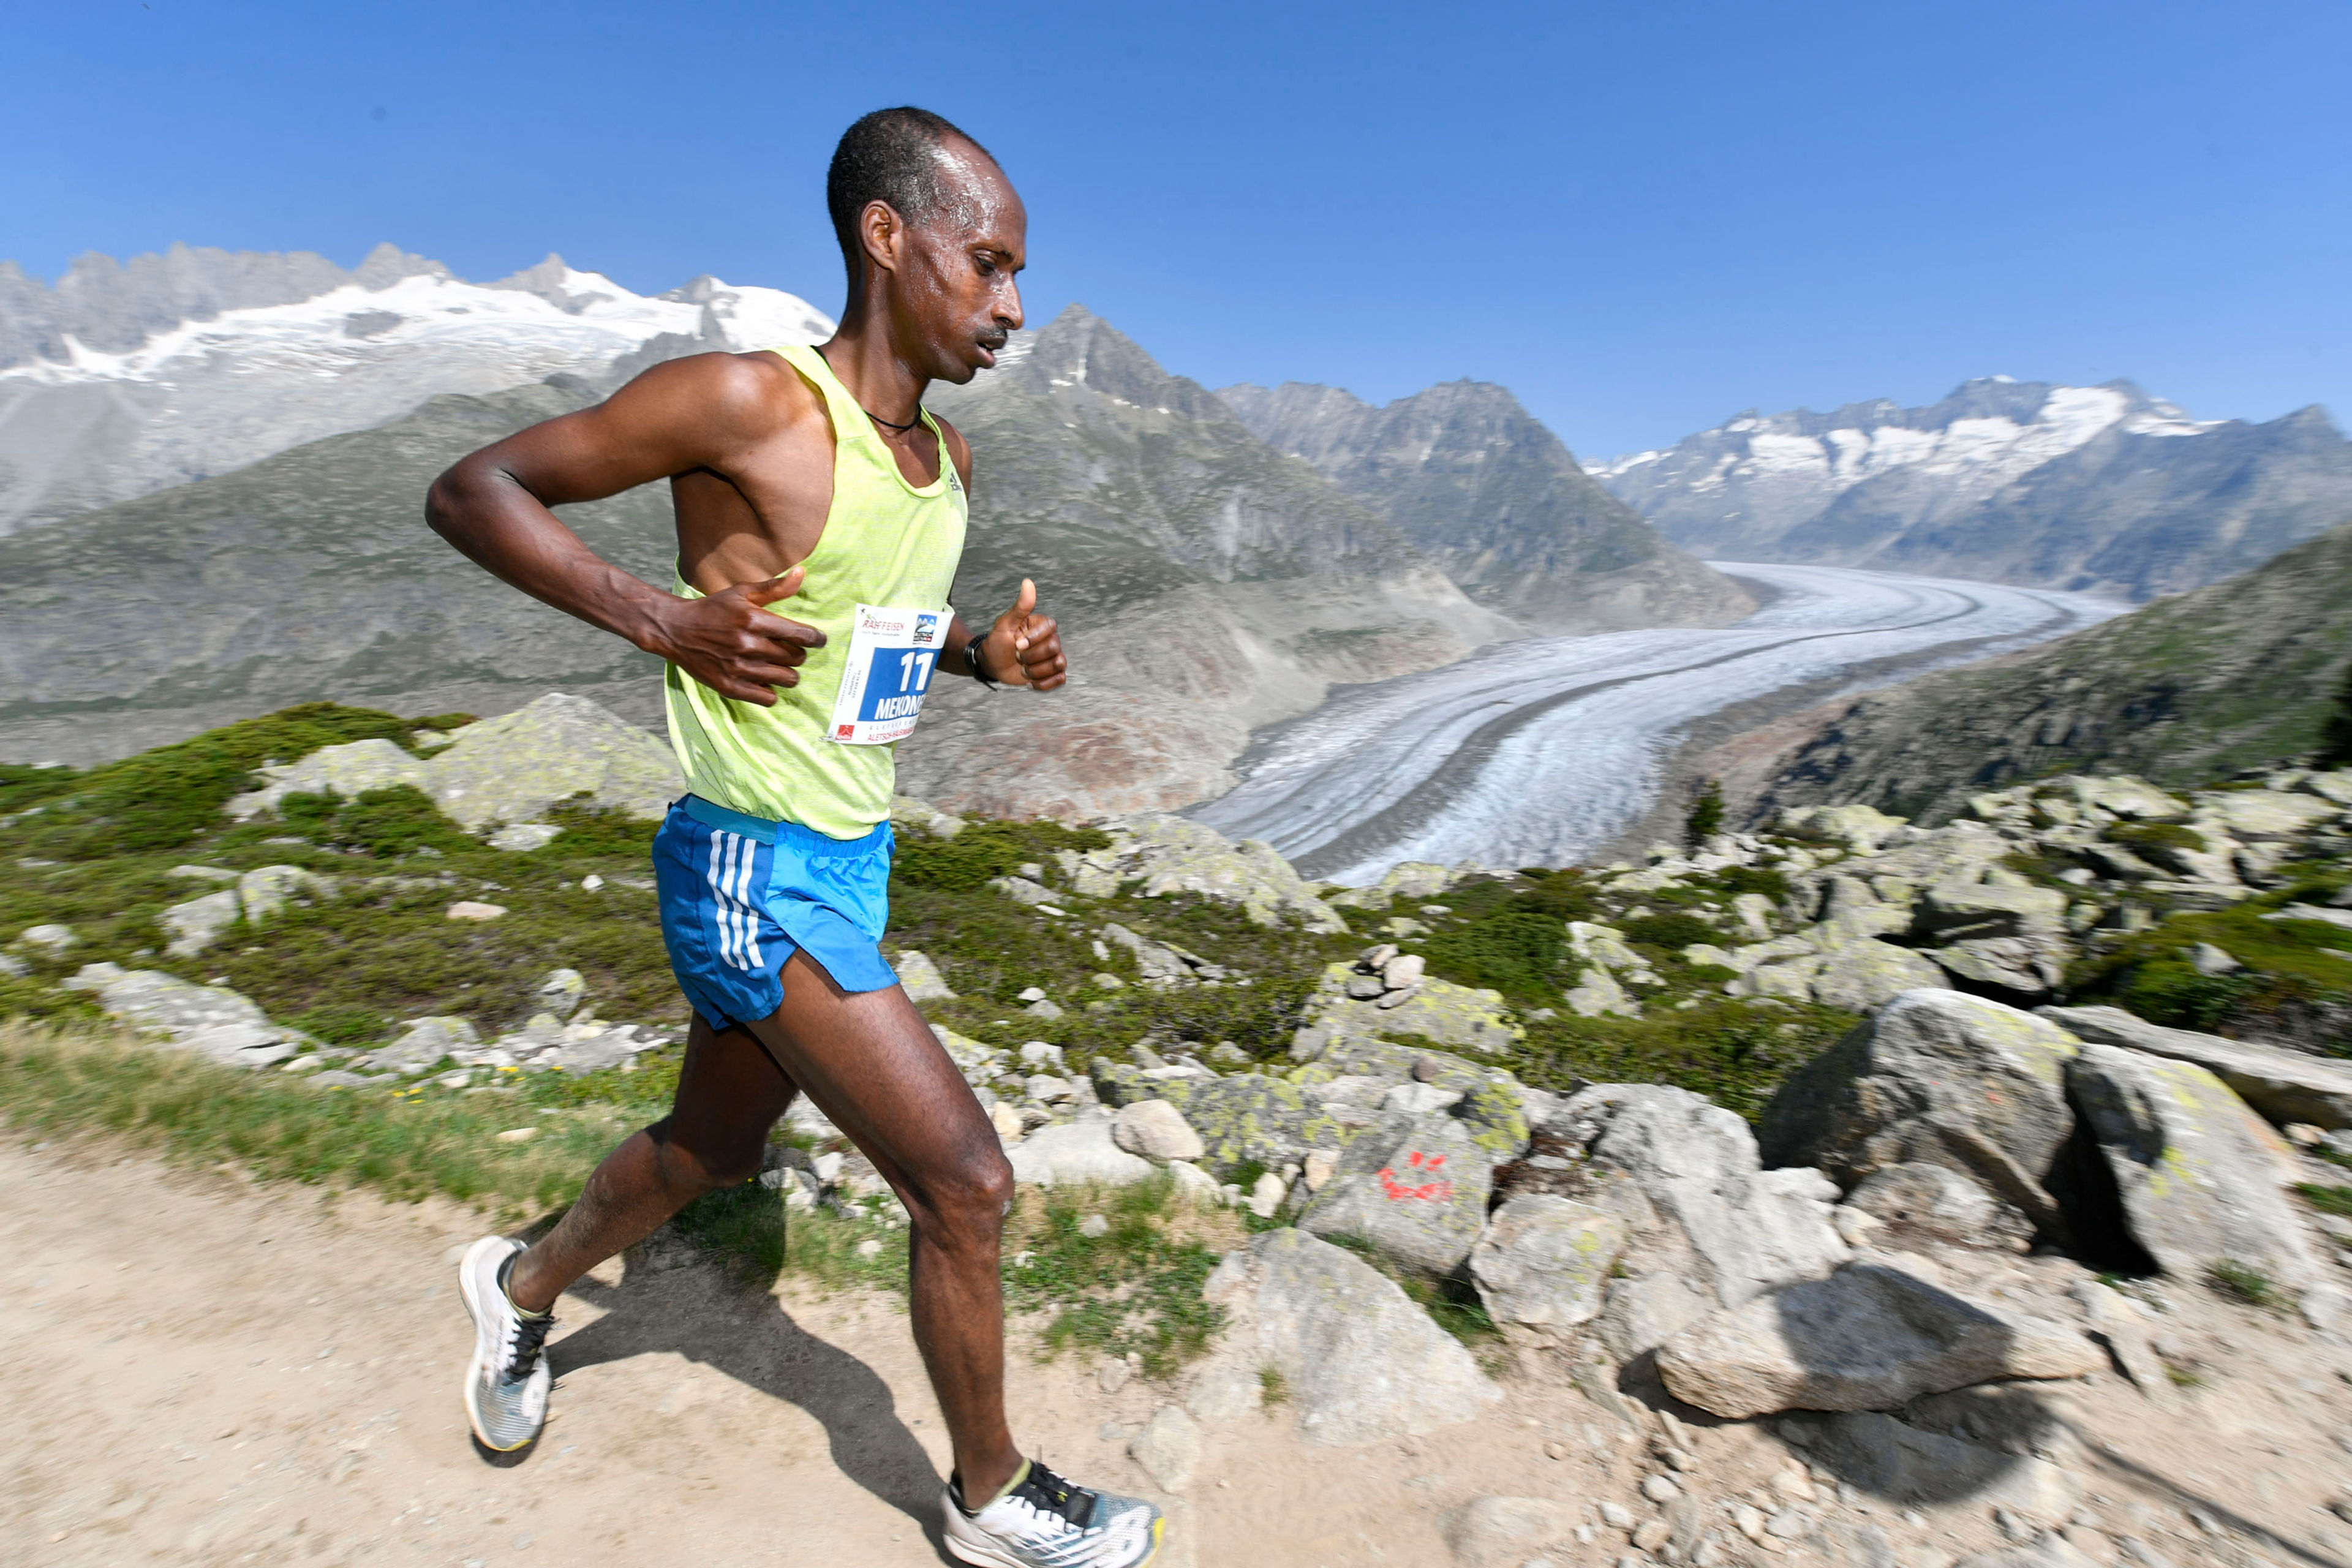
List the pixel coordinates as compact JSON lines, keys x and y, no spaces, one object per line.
{"x":741,"y":894}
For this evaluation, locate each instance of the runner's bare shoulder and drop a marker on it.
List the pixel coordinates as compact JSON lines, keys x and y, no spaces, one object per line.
{"x":958,"y":449}
{"x":737,"y":396}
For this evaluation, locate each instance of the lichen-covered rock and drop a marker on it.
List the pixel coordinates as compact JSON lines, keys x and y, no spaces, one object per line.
{"x":347,"y":770}
{"x":2202,"y":1179}
{"x":1860,"y":829}
{"x":1596,"y":993}
{"x":1411,"y":880}
{"x":1360,"y":1361}
{"x":920,"y":978}
{"x":1415,"y":1192}
{"x":513,"y":767}
{"x":197,"y":925}
{"x":1457,"y":1015}
{"x":1867,"y":1338}
{"x":1859,"y":976}
{"x":1544,"y":1261}
{"x":1247,"y":1118}
{"x":216,"y":1023}
{"x":266,"y":890}
{"x":425,"y":1042}
{"x":1940,"y":1077}
{"x":1172,"y":855}
{"x":2027,"y":967}
{"x":1506,"y":1532}
{"x":1956,"y":911}
{"x":2261,"y":813}
{"x":2283,"y":1086}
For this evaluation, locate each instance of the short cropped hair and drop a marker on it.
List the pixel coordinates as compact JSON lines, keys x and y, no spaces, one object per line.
{"x":889,"y":155}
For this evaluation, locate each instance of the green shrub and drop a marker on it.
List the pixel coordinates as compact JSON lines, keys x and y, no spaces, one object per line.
{"x":1514,"y":952}
{"x":1764,"y":880}
{"x":2327,"y":1199}
{"x":1671,"y":932}
{"x":385,"y":823}
{"x":21,"y":785}
{"x":984,"y":850}
{"x":2156,"y":836}
{"x":1706,"y":818}
{"x":596,"y":832}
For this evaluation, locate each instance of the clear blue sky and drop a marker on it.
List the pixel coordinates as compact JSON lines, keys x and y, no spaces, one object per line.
{"x":1641,"y":218}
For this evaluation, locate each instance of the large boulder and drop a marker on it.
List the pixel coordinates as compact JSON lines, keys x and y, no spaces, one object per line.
{"x":1172,"y":855}
{"x":1935,"y":1202}
{"x":1698,"y":1164}
{"x":1414,"y":1191}
{"x":513,"y":767}
{"x":1862,"y":974}
{"x":1245,"y":1118}
{"x":2203,"y":1181}
{"x":216,"y":1023}
{"x":1869,"y":1337}
{"x":2285,"y":1086}
{"x":1075,"y":1154}
{"x":1359,"y":1361}
{"x":1544,"y":1261}
{"x":1461,"y":1017}
{"x":349,"y":769}
{"x":1938,"y":1077}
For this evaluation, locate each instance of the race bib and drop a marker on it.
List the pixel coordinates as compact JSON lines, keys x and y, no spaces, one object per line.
{"x":885,"y":673}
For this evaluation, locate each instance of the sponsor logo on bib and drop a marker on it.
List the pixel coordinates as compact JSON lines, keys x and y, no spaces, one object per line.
{"x":885,"y":674}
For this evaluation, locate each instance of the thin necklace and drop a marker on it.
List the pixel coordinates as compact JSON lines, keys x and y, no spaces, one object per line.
{"x":891,"y":423}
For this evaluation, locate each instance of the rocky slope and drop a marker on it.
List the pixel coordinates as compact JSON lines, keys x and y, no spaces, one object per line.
{"x":1979,"y":1286}
{"x":2242,"y":674}
{"x":2094,"y":489}
{"x":123,"y":381}
{"x":1471,"y":478}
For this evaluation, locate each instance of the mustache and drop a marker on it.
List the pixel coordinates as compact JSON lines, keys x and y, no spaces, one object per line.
{"x":993,"y":339}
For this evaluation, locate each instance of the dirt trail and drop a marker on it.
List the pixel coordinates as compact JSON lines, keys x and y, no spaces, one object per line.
{"x":195,"y":1370}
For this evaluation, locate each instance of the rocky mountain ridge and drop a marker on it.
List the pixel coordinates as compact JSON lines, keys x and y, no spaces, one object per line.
{"x":1472,"y":479}
{"x":123,"y":381}
{"x":2089,"y":488}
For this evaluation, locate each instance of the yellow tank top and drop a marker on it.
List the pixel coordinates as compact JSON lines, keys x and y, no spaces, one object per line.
{"x":885,"y":543}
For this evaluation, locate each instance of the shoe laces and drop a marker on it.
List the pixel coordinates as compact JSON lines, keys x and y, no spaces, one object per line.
{"x":1049,"y":1494}
{"x":523,"y":1352}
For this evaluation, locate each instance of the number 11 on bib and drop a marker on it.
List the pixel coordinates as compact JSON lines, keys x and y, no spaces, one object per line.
{"x":887,"y":672}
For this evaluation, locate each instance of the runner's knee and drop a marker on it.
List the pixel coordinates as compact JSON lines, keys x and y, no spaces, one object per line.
{"x":696,"y":1170}
{"x":972,"y":1195}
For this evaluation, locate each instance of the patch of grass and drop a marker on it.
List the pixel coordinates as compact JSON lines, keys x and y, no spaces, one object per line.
{"x":2156,"y":836}
{"x":1273,"y":1388}
{"x":2327,"y":1199}
{"x":984,"y":850}
{"x":69,"y":1080}
{"x":1514,"y":951}
{"x":2244,"y":1284}
{"x":2289,"y":964}
{"x":1738,"y":879}
{"x":384,"y":823}
{"x":162,"y":798}
{"x":1726,"y":1048}
{"x":1671,"y":932}
{"x":1134,"y":1290}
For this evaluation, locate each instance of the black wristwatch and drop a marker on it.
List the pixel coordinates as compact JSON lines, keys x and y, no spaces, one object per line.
{"x":971,"y":662}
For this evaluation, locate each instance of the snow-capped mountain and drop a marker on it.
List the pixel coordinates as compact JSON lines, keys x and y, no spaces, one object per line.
{"x":2100,"y":488}
{"x":216,"y":388}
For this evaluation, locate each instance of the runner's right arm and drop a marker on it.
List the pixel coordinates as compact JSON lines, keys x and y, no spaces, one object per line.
{"x":704,"y":412}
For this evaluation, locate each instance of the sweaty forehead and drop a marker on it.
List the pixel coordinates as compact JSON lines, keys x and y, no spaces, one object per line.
{"x":973,"y":193}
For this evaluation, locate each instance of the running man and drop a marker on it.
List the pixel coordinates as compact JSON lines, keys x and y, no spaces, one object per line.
{"x":813,"y":481}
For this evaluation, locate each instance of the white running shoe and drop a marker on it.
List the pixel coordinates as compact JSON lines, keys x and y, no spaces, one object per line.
{"x":1046,"y":1522}
{"x":507,"y":1381}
